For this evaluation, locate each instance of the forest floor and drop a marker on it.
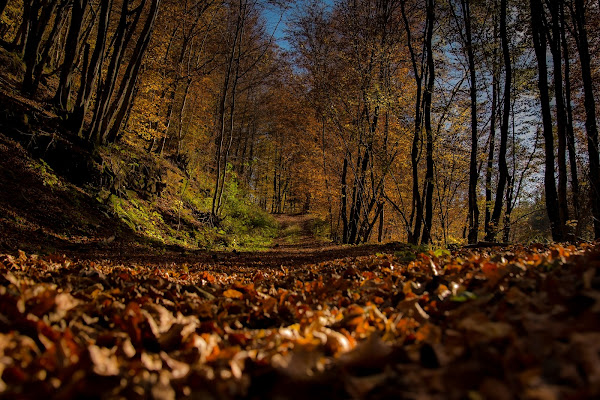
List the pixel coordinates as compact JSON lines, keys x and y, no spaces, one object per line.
{"x":90,"y":309}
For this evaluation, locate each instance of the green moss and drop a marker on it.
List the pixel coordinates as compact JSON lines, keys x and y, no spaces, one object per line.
{"x":47,"y":174}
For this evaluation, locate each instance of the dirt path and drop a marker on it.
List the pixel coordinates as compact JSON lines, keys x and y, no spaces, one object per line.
{"x":296,"y":232}
{"x":296,"y":245}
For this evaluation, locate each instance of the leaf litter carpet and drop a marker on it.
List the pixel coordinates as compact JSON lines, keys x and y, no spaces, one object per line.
{"x":516,"y":322}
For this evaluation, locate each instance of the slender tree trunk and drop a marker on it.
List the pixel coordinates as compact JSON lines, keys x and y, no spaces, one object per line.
{"x":70,"y":54}
{"x":473,"y":172}
{"x":502,"y":164}
{"x":590,"y":112}
{"x":42,"y":59}
{"x":426,"y":238}
{"x":561,"y":116}
{"x":3,"y":4}
{"x":489,"y":228}
{"x":221,"y":151}
{"x":40,"y":14}
{"x":105,"y":90}
{"x":90,"y":75}
{"x":125,"y":96}
{"x":539,"y":43}
{"x":344,"y":200}
{"x":569,"y":129}
{"x":416,"y":214}
{"x":181,"y":114}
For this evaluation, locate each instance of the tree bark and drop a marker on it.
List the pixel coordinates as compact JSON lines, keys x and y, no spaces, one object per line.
{"x":344,"y":200}
{"x":502,"y":164}
{"x":70,"y":54}
{"x":590,"y":112}
{"x":489,"y":228}
{"x":105,"y":90}
{"x":473,"y":172}
{"x":553,"y":33}
{"x":426,"y":238}
{"x":39,"y":15}
{"x":540,"y":47}
{"x":416,"y":214}
{"x":90,"y":76}
{"x":3,"y":4}
{"x":569,"y":128}
{"x":125,"y":96}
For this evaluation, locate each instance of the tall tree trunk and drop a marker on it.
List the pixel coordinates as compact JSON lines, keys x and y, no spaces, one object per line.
{"x":569,"y":129}
{"x":502,"y":164}
{"x":426,"y":238}
{"x":590,"y":112}
{"x":70,"y":54}
{"x":3,"y":4}
{"x":344,"y":201}
{"x":39,"y":15}
{"x":490,"y":229}
{"x":222,"y":114}
{"x":416,"y":214}
{"x":473,"y":172}
{"x":105,"y":90}
{"x":561,"y":115}
{"x":125,"y":95}
{"x":90,"y":75}
{"x":42,"y":60}
{"x":539,"y":43}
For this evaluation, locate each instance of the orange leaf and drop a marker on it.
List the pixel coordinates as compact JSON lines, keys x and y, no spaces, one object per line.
{"x":233,"y":294}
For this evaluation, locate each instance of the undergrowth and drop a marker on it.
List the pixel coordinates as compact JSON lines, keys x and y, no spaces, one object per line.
{"x":174,"y":216}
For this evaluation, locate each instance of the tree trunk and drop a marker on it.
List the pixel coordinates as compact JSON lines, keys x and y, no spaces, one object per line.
{"x":490,"y":229}
{"x":473,"y":173}
{"x":105,"y":90}
{"x":426,"y":238}
{"x":539,"y":43}
{"x":561,"y":116}
{"x":42,"y":60}
{"x":2,"y":6}
{"x":569,"y":129}
{"x":502,"y":164}
{"x":590,"y":112}
{"x":416,"y":214}
{"x":39,"y":15}
{"x":90,"y":75}
{"x":70,"y":54}
{"x":125,"y":96}
{"x":344,"y":200}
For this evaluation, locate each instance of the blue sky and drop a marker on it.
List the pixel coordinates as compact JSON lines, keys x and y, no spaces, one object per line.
{"x":274,"y":14}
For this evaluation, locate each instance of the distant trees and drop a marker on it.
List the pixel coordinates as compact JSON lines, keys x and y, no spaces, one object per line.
{"x":417,"y":120}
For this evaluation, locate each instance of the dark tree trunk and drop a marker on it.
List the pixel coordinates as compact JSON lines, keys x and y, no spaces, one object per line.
{"x":90,"y":75}
{"x":70,"y":54}
{"x":344,"y":201}
{"x":590,"y":112}
{"x":539,"y":43}
{"x":502,"y":164}
{"x":38,"y":69}
{"x":105,"y":90}
{"x":569,"y":129}
{"x":3,"y":6}
{"x":473,"y":172}
{"x":39,"y":15}
{"x":561,"y":115}
{"x":125,"y":96}
{"x":426,"y":238}
{"x":416,"y":214}
{"x":490,"y":230}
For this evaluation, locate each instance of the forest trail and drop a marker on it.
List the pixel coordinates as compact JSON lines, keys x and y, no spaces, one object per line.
{"x":296,"y":232}
{"x":296,"y":245}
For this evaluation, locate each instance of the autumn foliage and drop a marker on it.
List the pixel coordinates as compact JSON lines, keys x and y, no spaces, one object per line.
{"x":519,"y":322}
